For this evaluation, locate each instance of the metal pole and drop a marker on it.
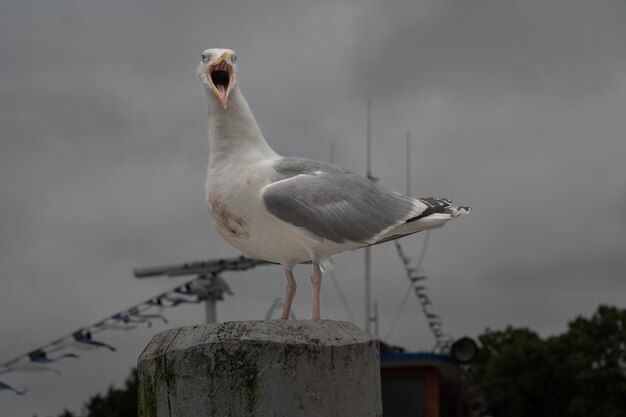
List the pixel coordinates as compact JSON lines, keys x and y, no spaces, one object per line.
{"x":369,"y":138}
{"x":211,"y":313}
{"x":375,"y":319}
{"x":368,"y":279}
{"x":408,"y":162}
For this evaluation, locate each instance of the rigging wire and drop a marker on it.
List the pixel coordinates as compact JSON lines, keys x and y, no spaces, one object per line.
{"x":342,"y":296}
{"x":410,"y":287}
{"x":397,"y":316}
{"x":443,"y":341}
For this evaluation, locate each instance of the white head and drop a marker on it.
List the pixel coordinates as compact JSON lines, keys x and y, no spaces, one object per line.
{"x":217,"y":72}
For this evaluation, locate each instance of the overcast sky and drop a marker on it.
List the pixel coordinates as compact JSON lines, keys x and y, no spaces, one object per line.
{"x":516,"y":108}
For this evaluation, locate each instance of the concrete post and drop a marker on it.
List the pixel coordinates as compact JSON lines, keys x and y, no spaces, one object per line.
{"x":278,"y":368}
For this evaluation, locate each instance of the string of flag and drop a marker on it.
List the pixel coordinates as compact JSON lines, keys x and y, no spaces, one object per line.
{"x":208,"y":284}
{"x":442,"y":341}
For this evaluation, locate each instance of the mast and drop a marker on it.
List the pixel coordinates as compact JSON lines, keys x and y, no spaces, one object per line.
{"x":368,"y":255}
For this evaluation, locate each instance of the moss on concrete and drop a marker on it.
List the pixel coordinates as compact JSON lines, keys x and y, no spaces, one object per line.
{"x":147,"y":394}
{"x":154,"y":373}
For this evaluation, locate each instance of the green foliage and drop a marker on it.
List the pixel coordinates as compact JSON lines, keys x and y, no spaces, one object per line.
{"x":117,"y":402}
{"x":580,"y":373}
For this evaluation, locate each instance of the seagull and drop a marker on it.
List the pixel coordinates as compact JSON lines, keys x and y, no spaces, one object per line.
{"x":290,"y":210}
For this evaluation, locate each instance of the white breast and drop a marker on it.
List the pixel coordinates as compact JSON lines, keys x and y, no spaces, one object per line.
{"x":240,"y":216}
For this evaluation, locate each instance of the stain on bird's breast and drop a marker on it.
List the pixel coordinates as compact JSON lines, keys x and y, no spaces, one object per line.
{"x":226,"y":220}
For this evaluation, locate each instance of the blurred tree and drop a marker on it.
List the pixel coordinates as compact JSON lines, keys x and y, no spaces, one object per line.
{"x":580,"y":373}
{"x":117,"y":402}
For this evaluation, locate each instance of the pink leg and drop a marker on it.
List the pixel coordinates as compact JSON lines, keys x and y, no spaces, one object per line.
{"x":316,"y":280}
{"x":290,"y":293}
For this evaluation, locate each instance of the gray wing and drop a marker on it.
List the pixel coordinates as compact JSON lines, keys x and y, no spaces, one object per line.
{"x":333,"y":203}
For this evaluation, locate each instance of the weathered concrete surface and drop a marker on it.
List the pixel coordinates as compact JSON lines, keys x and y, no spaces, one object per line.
{"x":278,"y":368}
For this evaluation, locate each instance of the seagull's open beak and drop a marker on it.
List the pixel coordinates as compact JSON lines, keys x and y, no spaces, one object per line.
{"x":222,"y":77}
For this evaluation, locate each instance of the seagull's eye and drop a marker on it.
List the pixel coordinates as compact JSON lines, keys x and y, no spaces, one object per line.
{"x":233,"y":57}
{"x":204,"y":57}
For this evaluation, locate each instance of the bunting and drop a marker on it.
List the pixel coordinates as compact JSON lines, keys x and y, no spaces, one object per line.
{"x":207,"y":285}
{"x":442,"y":341}
{"x":10,"y":388}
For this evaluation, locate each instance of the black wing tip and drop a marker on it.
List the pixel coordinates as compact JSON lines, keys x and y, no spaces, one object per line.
{"x":439,"y":205}
{"x":433,"y":205}
{"x":435,"y":202}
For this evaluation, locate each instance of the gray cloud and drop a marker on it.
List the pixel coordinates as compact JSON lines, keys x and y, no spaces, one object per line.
{"x":488,"y":47}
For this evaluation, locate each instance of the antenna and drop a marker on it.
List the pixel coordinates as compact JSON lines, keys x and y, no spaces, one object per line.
{"x":216,"y":286}
{"x":369,"y":139}
{"x":408,"y":163}
{"x":375,"y":320}
{"x":368,"y":255}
